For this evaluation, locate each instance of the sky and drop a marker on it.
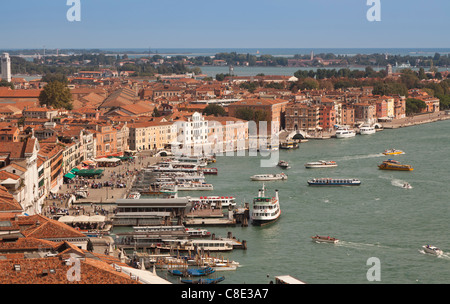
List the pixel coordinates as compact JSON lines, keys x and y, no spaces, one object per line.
{"x":29,"y":24}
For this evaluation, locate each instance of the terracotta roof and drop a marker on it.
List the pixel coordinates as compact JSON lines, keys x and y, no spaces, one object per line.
{"x":7,"y":202}
{"x":54,"y":270}
{"x":41,"y":227}
{"x":6,"y":92}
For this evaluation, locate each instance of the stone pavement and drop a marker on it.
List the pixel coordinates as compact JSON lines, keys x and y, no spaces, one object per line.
{"x":102,"y":198}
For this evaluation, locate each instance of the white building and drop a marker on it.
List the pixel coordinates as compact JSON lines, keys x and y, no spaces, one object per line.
{"x":6,"y":67}
{"x":192,"y":134}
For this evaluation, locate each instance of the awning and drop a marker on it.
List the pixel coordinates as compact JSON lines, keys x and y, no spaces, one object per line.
{"x":97,"y":218}
{"x":69,"y":175}
{"x":66,"y":219}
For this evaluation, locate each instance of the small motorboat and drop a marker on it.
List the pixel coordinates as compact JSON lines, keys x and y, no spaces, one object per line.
{"x":393,"y":152}
{"x":324,"y":239}
{"x":432,"y":250}
{"x":283,"y":164}
{"x":407,"y":186}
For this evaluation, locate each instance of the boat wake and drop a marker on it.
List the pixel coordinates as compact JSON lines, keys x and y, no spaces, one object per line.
{"x":396,"y":182}
{"x":444,"y":256}
{"x":353,"y":157}
{"x":361,"y":246}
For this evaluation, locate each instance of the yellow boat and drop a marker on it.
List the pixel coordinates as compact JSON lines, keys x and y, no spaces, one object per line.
{"x":394,"y":165}
{"x":393,"y":152}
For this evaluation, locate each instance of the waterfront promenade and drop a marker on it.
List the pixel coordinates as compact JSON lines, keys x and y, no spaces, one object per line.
{"x":101,"y":200}
{"x":416,"y":120}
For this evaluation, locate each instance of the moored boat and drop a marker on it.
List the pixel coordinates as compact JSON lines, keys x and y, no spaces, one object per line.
{"x":194,"y":186}
{"x":324,"y":239}
{"x":268,"y":177}
{"x":334,"y":182}
{"x":432,"y":250}
{"x":265,"y":209}
{"x":367,"y":130}
{"x":321,"y":164}
{"x":209,"y":171}
{"x":215,"y":201}
{"x":345,"y":132}
{"x":198,"y":233}
{"x":203,"y":280}
{"x":391,"y":164}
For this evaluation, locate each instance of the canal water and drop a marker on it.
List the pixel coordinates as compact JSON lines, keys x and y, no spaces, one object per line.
{"x":378,"y":219}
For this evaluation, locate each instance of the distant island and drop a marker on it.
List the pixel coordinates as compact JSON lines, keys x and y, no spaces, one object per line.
{"x":69,"y":61}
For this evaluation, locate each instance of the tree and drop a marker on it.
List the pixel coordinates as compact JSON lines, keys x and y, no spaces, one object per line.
{"x":4,"y":83}
{"x":214,"y":109}
{"x":90,"y":246}
{"x":250,"y":114}
{"x":57,"y":95}
{"x":50,"y":77}
{"x":414,"y":106}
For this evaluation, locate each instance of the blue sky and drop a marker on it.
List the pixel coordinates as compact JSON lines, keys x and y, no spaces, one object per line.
{"x":224,"y":24}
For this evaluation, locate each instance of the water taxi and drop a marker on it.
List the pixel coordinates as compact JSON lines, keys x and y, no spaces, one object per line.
{"x":393,"y":152}
{"x":265,"y":209}
{"x":345,"y":132}
{"x":334,"y":182}
{"x":432,"y":250}
{"x":391,"y":164}
{"x":268,"y":177}
{"x":321,"y":164}
{"x":324,"y":239}
{"x":283,"y":164}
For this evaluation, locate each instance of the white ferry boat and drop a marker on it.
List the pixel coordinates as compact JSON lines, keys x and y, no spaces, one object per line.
{"x":321,"y":164}
{"x":265,"y":209}
{"x":432,"y":250}
{"x":198,"y":233}
{"x":198,"y":161}
{"x":345,"y":132}
{"x":334,"y":182}
{"x":268,"y":177}
{"x":169,"y":167}
{"x":193,"y":186}
{"x":215,"y":201}
{"x":195,"y":244}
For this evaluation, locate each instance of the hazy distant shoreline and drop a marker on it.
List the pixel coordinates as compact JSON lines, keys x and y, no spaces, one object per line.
{"x":285,"y":52}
